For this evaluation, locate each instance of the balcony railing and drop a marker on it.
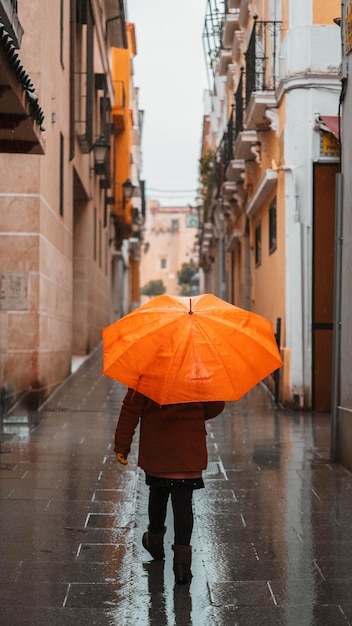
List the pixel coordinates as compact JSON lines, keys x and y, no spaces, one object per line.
{"x":239,"y":106}
{"x":212,"y":34}
{"x":261,"y":58}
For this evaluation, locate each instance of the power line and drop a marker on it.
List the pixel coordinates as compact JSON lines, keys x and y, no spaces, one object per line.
{"x":171,"y":190}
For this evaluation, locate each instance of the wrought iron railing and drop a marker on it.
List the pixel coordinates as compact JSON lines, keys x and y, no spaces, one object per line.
{"x":225,"y":151}
{"x":212,"y":34}
{"x":239,"y":106}
{"x":261,"y":57}
{"x":234,"y":127}
{"x":228,"y":148}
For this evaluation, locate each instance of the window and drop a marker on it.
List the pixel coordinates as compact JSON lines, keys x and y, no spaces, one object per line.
{"x":95,"y":235}
{"x":61,"y":197}
{"x":62,"y":32}
{"x":175,"y":225}
{"x":100,"y":243}
{"x":163,"y":264}
{"x":272,"y":226}
{"x":83,"y":73}
{"x":258,"y":244}
{"x":106,"y":252}
{"x":191,"y":220}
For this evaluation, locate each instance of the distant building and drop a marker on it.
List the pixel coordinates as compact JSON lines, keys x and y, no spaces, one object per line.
{"x":170,"y":239}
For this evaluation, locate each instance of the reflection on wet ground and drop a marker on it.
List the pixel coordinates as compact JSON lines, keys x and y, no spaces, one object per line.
{"x":271,"y":544}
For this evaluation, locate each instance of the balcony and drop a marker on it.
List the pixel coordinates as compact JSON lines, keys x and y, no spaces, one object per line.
{"x":120,"y":110}
{"x":235,"y":170}
{"x":261,"y":74}
{"x":234,"y":4}
{"x":224,"y":61}
{"x":257,"y":107}
{"x":228,"y":189}
{"x":229,"y":28}
{"x":262,"y":192}
{"x":231,"y":77}
{"x":238,"y":40}
{"x":244,"y":13}
{"x":245,"y":141}
{"x":212,"y":37}
{"x":115,"y":25}
{"x":206,"y":240}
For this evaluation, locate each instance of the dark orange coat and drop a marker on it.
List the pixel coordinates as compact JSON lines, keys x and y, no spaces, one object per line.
{"x":172,"y":436}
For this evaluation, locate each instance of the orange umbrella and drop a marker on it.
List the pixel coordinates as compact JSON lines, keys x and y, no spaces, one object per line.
{"x":175,"y":349}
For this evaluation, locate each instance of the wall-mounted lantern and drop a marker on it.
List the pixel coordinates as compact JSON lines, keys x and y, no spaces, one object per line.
{"x":127,"y":190}
{"x":100,"y":149}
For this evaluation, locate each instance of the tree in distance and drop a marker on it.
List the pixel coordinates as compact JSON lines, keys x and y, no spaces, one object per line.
{"x":188,"y":278}
{"x":153,"y":288}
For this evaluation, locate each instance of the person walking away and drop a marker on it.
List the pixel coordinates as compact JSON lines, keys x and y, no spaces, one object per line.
{"x":173,"y":454}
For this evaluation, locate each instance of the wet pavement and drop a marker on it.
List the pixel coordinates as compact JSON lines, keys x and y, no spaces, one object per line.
{"x":272,"y":542}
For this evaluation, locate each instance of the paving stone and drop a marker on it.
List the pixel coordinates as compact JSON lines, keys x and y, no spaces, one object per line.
{"x":271,"y":541}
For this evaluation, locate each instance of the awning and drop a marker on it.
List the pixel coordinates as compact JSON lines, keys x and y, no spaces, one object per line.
{"x":330,"y":124}
{"x":21,"y":117}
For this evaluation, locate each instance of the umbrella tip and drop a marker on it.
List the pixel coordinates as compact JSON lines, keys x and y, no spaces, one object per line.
{"x":190,"y":307}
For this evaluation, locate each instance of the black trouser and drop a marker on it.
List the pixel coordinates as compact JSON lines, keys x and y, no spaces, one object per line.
{"x":181,"y":500}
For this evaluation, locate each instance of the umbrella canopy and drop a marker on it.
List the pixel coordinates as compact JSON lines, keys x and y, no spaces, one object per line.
{"x":175,"y":349}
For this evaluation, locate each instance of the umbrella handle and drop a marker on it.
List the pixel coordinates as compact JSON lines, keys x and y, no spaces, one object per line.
{"x":121,"y":459}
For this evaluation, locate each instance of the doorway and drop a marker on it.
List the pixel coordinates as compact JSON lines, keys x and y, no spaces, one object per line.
{"x":323,"y":283}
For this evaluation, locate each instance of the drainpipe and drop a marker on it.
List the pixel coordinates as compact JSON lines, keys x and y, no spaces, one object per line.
{"x":247,"y":268}
{"x":299,"y":393}
{"x":335,"y":395}
{"x":336,"y":346}
{"x":72,"y":79}
{"x":220,"y":272}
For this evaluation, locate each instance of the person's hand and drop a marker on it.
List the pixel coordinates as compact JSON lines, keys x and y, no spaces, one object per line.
{"x":121,"y":458}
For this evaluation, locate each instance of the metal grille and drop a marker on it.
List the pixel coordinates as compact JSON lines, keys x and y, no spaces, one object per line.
{"x":212,"y":34}
{"x":261,"y":58}
{"x":239,"y":106}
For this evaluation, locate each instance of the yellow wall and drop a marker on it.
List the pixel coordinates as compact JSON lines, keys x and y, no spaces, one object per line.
{"x":324,"y":11}
{"x":121,"y":74}
{"x":122,"y":115}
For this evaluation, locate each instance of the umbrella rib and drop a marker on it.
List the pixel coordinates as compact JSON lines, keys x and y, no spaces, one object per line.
{"x":139,"y":340}
{"x":171,"y":364}
{"x":220,"y":357}
{"x":216,"y":352}
{"x":184,"y":351}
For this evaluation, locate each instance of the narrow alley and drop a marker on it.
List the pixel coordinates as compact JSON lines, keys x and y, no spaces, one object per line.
{"x":272,"y":540}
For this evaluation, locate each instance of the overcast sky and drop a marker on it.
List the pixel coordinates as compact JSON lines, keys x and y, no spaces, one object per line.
{"x":170,"y":71}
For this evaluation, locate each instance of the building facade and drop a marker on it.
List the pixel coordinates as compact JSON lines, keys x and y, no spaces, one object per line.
{"x":342,"y":399}
{"x":59,"y":186}
{"x":128,"y":202}
{"x":270,"y":155}
{"x":170,"y":239}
